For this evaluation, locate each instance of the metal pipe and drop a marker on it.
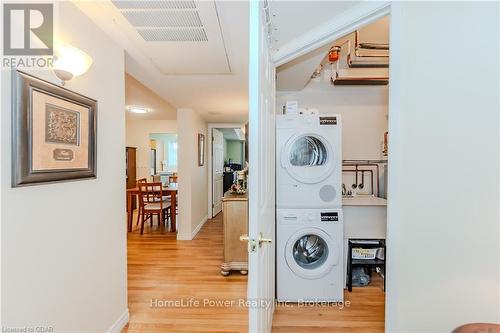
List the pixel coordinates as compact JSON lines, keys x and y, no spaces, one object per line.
{"x":371,"y":178}
{"x":369,"y":165}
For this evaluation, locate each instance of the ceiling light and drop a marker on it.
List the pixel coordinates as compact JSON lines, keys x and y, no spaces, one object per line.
{"x":69,"y":62}
{"x":138,"y":109}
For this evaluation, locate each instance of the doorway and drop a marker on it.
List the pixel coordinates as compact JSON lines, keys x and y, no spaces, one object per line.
{"x":227,"y":153}
{"x":163,"y":156}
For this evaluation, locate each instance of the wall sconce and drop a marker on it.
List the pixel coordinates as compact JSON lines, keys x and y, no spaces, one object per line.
{"x":69,"y":62}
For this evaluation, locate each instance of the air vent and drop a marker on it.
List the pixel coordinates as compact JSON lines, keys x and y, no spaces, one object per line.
{"x":149,"y":4}
{"x":164,"y":19}
{"x":174,"y":35}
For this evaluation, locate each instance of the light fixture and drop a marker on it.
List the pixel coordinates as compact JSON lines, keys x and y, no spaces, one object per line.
{"x":138,"y":109}
{"x":69,"y":62}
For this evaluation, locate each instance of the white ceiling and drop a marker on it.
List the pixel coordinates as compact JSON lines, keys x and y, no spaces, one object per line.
{"x":175,"y":33}
{"x":291,"y":19}
{"x":207,"y":76}
{"x":232,"y":134}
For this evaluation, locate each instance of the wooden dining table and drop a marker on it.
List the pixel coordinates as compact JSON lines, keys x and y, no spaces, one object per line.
{"x":132,"y":194}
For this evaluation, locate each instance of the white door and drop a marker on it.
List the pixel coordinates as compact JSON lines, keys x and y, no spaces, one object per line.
{"x":217,"y":170}
{"x":261,"y":259}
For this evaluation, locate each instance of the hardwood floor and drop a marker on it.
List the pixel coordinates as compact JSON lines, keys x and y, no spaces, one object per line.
{"x":162,"y":270}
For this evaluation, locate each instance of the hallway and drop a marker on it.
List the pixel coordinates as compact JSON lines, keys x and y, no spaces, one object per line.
{"x":165,"y":269}
{"x":162,"y":269}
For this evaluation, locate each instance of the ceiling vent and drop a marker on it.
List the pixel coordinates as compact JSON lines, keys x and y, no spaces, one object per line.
{"x":164,"y":21}
{"x":173,"y":35}
{"x":150,"y":4}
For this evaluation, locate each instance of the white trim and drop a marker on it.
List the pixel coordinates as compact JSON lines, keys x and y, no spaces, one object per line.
{"x":192,"y":235}
{"x":198,"y":228}
{"x":120,"y":323}
{"x":184,"y":237}
{"x":211,"y":126}
{"x":339,"y":26}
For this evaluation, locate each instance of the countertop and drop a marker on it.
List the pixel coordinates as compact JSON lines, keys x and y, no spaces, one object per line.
{"x":364,"y":200}
{"x":228,"y":196}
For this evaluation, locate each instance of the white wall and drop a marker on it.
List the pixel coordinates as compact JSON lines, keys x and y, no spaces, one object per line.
{"x":138,"y":136}
{"x":443,"y":214}
{"x":363,"y":110}
{"x":193,"y":179}
{"x":64,"y":245}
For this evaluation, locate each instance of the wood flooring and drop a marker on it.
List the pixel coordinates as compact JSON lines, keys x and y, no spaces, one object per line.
{"x":167,"y":277}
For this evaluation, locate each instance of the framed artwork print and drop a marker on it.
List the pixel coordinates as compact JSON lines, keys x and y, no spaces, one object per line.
{"x":201,"y":150}
{"x":53,"y":132}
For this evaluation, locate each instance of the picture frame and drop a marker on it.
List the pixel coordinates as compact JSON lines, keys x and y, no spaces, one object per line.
{"x":201,"y":149}
{"x":54,"y":132}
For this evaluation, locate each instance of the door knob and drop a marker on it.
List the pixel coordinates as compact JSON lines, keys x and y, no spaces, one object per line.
{"x":264,"y":240}
{"x":252,"y":242}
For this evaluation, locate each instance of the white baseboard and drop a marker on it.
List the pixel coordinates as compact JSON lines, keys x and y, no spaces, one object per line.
{"x":187,"y":236}
{"x":183,"y":237}
{"x":120,"y":323}
{"x":198,"y":228}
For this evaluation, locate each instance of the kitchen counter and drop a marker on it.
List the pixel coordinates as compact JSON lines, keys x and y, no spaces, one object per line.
{"x":228,"y":196}
{"x":364,"y":200}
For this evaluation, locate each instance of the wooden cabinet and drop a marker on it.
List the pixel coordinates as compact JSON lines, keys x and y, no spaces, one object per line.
{"x":235,"y":220}
{"x":130,"y":160}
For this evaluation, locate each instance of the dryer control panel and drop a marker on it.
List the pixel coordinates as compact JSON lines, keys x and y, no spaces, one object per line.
{"x":329,"y":216}
{"x":328,"y":120}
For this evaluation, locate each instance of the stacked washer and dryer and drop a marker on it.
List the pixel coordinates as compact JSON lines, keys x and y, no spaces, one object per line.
{"x":309,"y":228}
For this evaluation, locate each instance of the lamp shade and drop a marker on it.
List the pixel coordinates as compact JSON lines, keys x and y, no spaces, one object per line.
{"x":69,"y":61}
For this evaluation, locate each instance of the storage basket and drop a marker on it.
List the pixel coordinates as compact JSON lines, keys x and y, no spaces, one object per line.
{"x":359,"y":253}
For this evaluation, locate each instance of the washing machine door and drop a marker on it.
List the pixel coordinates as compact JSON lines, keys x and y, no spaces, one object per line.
{"x":308,"y":158}
{"x":311,"y":253}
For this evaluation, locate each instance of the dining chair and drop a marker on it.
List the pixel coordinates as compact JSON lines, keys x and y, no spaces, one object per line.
{"x":172,"y":179}
{"x":139,"y":181}
{"x":153,"y":203}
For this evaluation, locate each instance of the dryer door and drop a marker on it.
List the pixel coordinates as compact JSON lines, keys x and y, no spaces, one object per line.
{"x":311,"y":253}
{"x":308,"y":158}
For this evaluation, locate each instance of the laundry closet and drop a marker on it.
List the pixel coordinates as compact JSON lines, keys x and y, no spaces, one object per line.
{"x":331,"y":167}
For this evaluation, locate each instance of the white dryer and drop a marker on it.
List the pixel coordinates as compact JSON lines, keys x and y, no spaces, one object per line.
{"x":309,"y":257}
{"x":308,"y":161}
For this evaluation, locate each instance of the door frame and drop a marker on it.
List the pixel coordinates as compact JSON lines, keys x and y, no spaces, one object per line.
{"x":324,"y":34}
{"x":211,"y":126}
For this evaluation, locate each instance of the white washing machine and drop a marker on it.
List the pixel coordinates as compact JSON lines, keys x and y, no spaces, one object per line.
{"x":310,"y":255}
{"x":308,"y":161}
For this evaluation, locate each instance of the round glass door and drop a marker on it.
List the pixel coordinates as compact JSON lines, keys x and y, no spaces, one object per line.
{"x":311,"y":253}
{"x":308,"y":158}
{"x":308,"y":151}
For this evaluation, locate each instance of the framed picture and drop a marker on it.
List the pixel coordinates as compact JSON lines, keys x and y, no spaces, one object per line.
{"x":201,"y":150}
{"x":53,"y":132}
